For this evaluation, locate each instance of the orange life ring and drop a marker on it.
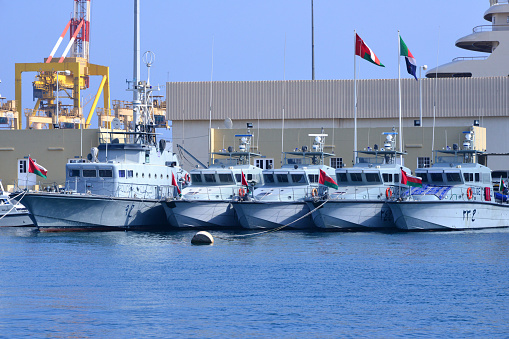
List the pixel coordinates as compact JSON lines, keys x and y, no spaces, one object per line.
{"x":388,"y":193}
{"x":314,"y":192}
{"x":242,"y":192}
{"x":469,"y":193}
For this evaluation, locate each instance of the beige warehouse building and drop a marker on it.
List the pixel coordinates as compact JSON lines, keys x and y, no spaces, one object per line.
{"x":310,"y":106}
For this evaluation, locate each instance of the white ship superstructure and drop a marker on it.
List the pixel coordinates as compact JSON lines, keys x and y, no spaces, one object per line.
{"x":492,"y":39}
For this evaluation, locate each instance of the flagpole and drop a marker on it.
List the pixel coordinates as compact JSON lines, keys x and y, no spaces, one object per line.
{"x":355,"y":95}
{"x":399,"y":99}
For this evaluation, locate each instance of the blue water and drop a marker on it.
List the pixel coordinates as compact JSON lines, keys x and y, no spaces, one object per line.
{"x":285,"y":284}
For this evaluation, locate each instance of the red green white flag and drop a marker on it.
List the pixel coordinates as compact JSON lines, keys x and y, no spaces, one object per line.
{"x":174,"y":182}
{"x":37,"y":169}
{"x":362,"y":50}
{"x":326,"y":180}
{"x":243,"y":180}
{"x":409,"y":180}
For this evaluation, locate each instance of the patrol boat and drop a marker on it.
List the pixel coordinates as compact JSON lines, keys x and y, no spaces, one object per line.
{"x":206,"y":203}
{"x":456,"y":194}
{"x":12,"y":214}
{"x":126,"y":178}
{"x":359,"y":203}
{"x":280,"y":201}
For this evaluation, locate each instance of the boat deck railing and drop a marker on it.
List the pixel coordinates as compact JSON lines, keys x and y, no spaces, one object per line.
{"x":471,"y":58}
{"x":215,"y":194}
{"x":490,"y":28}
{"x":497,"y":2}
{"x":127,"y":190}
{"x":286,"y":194}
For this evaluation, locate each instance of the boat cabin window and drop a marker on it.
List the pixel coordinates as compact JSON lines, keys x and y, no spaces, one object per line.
{"x":372,"y":177}
{"x":396,"y":178}
{"x":499,"y":174}
{"x":282,"y":178}
{"x":341,"y":177}
{"x":105,"y":173}
{"x":299,"y":178}
{"x":238,"y":176}
{"x":195,"y":178}
{"x":453,"y":178}
{"x":313,"y":178}
{"x":436,"y":177}
{"x":470,"y":177}
{"x":87,"y":173}
{"x":129,"y":173}
{"x":387,"y":177}
{"x":355,"y":176}
{"x":209,"y":177}
{"x":268,"y":178}
{"x":74,"y":173}
{"x":226,"y":178}
{"x":121,"y":173}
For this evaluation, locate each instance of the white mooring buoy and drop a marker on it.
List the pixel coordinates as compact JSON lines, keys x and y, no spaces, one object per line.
{"x":202,"y":238}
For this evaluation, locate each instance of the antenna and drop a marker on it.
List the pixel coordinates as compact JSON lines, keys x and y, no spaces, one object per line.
{"x":435,"y":97}
{"x":284,"y":92}
{"x":210,"y":104}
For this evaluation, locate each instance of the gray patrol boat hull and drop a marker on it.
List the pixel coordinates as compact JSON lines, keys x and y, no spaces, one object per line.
{"x":352,"y":215}
{"x":449,"y":215}
{"x":78,"y":212}
{"x":270,"y":215}
{"x":200,"y":214}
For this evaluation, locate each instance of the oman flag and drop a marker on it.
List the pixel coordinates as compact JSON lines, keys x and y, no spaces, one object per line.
{"x":243,"y":180}
{"x":37,"y":169}
{"x":411,"y":64}
{"x":410,"y":180}
{"x":174,"y":182}
{"x":326,"y":180}
{"x":362,"y":50}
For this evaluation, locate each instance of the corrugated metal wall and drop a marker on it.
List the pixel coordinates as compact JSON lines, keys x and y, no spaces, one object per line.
{"x":325,"y":99}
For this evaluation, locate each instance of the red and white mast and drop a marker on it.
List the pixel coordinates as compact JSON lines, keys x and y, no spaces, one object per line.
{"x":80,"y":47}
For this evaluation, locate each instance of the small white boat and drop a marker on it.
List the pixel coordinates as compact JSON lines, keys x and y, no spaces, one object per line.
{"x":12,"y":213}
{"x":281,"y":200}
{"x":359,"y":201}
{"x":457,"y":194}
{"x":206,"y":203}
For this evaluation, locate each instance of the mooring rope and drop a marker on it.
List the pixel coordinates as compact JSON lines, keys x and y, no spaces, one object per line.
{"x":239,"y":236}
{"x":14,"y":205}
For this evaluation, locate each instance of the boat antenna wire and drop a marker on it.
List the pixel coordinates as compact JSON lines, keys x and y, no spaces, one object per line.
{"x":435,"y":97}
{"x":210,"y":103}
{"x":284,"y":94}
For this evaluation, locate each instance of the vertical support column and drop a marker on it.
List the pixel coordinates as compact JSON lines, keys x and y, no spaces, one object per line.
{"x":18,"y":71}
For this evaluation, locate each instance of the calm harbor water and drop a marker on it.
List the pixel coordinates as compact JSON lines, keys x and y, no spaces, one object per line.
{"x":285,"y":284}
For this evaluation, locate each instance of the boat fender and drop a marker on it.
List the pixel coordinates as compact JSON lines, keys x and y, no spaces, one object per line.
{"x":388,"y":193}
{"x":469,"y":193}
{"x":202,"y":238}
{"x":242,"y":192}
{"x":314,"y":192}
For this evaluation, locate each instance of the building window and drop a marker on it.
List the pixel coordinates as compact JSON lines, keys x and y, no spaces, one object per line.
{"x":423,"y":162}
{"x":23,"y":166}
{"x":336,"y":162}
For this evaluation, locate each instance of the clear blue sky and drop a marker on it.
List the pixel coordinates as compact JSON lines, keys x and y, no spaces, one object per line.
{"x":249,"y":37}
